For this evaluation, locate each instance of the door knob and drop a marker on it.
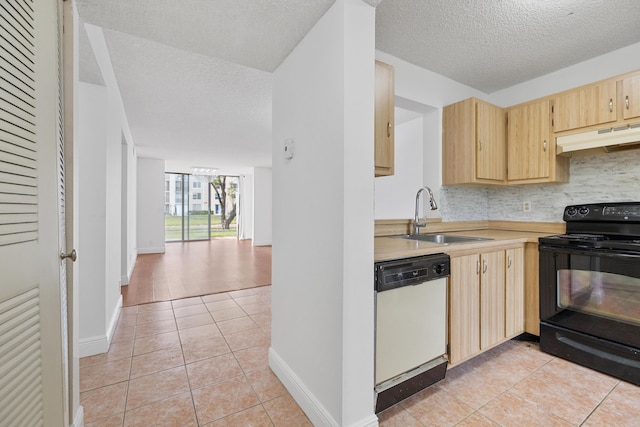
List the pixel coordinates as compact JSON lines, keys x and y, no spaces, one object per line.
{"x":73,"y":255}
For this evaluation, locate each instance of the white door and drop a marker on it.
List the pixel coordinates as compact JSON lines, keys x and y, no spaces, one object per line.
{"x":33,"y":344}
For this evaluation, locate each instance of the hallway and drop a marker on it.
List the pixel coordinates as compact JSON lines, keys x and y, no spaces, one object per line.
{"x":189,"y":362}
{"x":189,"y":269}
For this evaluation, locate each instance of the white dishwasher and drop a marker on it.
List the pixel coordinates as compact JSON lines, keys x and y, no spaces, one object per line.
{"x":411,"y":326}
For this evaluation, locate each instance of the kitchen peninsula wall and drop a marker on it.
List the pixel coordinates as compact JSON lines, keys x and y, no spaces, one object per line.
{"x":612,"y":177}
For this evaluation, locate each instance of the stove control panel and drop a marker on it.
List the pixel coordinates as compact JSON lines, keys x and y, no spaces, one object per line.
{"x":605,"y":212}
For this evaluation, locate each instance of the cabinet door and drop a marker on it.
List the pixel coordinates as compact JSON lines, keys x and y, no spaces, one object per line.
{"x":458,"y":142}
{"x":464,"y":304}
{"x":514,"y":292}
{"x":531,"y":290}
{"x":384,"y":120}
{"x":490,"y":142}
{"x":492,"y":298}
{"x":631,"y":97}
{"x":528,"y":141}
{"x":586,"y":106}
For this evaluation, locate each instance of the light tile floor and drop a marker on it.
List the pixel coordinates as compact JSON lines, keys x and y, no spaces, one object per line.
{"x":203,"y":361}
{"x":198,"y":361}
{"x":515,"y":384}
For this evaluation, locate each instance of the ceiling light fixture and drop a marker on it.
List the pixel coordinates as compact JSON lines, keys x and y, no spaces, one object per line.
{"x":203,"y":170}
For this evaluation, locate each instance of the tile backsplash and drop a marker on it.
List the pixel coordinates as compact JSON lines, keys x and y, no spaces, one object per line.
{"x":613,"y":177}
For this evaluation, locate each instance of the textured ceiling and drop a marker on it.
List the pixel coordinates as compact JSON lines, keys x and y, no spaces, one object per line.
{"x":193,"y":108}
{"x":195,"y":75}
{"x":255,"y":33}
{"x":494,"y":44}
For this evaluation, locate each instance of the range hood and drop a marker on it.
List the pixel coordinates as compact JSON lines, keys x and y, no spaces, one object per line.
{"x":611,"y":139}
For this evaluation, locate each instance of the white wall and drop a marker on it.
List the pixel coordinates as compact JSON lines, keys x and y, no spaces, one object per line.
{"x":128,"y":211}
{"x":432,"y":152}
{"x":425,"y":87}
{"x":603,"y":177}
{"x":425,"y":92}
{"x":395,"y":194}
{"x":323,"y":314}
{"x":245,"y":213}
{"x":99,"y":216}
{"x":150,"y":202}
{"x":91,"y":216}
{"x":262,"y":206}
{"x":610,"y":64}
{"x":113,"y":298}
{"x":102,"y":124}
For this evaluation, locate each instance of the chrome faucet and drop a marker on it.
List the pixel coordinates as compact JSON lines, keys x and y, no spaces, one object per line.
{"x":432,"y":202}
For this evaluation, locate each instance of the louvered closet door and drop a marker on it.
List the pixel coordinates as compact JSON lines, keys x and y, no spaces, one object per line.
{"x":33,"y":360}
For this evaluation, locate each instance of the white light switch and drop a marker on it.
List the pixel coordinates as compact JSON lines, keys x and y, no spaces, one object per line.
{"x":288,"y":148}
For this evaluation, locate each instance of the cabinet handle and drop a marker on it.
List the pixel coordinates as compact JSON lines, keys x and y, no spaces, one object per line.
{"x":479,"y":145}
{"x":626,"y":101}
{"x":484,"y":266}
{"x":478,"y":267}
{"x":611,"y":105}
{"x":544,"y":146}
{"x":509,"y":262}
{"x":389,"y":129}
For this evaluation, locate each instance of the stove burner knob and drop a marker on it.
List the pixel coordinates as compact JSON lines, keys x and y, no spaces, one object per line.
{"x":583,"y":210}
{"x":572,"y":211}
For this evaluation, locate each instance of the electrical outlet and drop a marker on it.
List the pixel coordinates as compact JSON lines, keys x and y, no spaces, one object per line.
{"x":526,"y":206}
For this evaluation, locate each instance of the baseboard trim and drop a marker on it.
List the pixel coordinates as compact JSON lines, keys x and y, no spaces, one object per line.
{"x":111,"y":328}
{"x":132,"y":265}
{"x":158,"y":250}
{"x":78,"y":420}
{"x":265,"y":243}
{"x":93,"y":345}
{"x":100,"y":343}
{"x":371,"y":421}
{"x":316,"y":412}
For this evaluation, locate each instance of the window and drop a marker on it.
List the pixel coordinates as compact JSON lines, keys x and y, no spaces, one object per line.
{"x":197,"y":196}
{"x":197,"y":184}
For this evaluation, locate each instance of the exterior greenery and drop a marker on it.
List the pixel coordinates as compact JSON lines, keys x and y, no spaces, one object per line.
{"x":197,"y":227}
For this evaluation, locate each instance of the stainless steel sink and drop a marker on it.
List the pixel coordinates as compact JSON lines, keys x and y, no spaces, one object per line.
{"x":444,"y":239}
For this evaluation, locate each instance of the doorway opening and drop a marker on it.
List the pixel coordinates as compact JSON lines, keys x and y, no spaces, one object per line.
{"x":200,"y":207}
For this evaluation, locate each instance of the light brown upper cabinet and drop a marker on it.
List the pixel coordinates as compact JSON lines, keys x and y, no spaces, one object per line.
{"x":473,"y":143}
{"x":384,"y":120}
{"x":531,"y":148}
{"x":528,"y":137}
{"x":631,"y":97}
{"x":585,"y":106}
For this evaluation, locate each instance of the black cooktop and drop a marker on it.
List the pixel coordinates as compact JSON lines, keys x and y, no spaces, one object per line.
{"x":607,"y":226}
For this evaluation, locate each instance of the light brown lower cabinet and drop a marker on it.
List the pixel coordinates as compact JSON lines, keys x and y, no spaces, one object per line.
{"x":486,"y":301}
{"x":514,"y":293}
{"x":531,"y":297}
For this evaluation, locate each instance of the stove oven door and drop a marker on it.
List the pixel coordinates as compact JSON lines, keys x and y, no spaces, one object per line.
{"x":591,"y":291}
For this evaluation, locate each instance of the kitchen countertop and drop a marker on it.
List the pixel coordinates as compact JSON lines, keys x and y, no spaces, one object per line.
{"x":394,"y":247}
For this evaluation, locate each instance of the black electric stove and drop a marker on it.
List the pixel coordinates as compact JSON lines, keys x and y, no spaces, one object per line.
{"x":590,"y":289}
